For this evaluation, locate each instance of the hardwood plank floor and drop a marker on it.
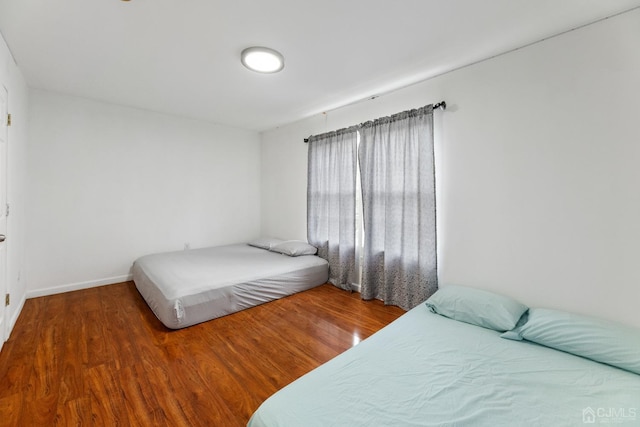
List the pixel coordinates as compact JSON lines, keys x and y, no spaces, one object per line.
{"x":100,"y":357}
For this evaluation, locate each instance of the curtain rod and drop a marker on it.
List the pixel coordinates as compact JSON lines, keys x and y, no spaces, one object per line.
{"x":441,"y":105}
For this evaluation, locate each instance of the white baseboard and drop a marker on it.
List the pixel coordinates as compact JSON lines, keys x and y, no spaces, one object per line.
{"x":16,"y":314}
{"x":77,"y":286}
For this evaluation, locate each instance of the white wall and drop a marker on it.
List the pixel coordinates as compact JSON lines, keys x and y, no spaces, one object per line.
{"x":108,"y":184}
{"x":538,"y":170}
{"x":12,"y":79}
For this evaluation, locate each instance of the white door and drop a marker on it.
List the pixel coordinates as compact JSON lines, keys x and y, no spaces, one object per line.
{"x":4,"y":324}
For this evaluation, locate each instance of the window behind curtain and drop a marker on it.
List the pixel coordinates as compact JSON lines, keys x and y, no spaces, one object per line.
{"x":398,"y":190}
{"x":331,"y":202}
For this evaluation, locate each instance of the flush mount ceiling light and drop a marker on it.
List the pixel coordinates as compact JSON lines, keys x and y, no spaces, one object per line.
{"x":262,"y":59}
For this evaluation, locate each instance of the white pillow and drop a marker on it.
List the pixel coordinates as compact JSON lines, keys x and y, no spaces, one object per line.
{"x":265,"y":242}
{"x":294,"y":248}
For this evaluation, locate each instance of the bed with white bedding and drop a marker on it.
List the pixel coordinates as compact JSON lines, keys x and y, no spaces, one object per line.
{"x":425,"y":369}
{"x":187,"y":287}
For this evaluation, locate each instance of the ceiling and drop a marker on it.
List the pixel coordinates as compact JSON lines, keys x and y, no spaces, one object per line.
{"x":182,"y":57}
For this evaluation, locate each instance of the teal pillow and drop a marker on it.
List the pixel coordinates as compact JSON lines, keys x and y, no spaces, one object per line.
{"x":478,"y":307}
{"x":514,"y":334}
{"x":596,"y":339}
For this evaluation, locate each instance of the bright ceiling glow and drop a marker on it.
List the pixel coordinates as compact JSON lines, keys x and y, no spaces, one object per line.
{"x":262,"y":59}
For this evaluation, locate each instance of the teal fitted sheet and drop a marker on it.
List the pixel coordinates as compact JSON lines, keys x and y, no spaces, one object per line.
{"x":428,"y":370}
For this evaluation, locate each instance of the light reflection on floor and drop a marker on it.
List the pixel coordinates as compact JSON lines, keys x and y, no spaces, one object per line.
{"x":356,"y":339}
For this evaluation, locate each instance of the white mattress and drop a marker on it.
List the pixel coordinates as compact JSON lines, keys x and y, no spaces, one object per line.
{"x":188,"y":287}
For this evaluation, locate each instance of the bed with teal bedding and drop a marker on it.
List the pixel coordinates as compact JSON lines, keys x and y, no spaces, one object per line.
{"x":428,"y":370}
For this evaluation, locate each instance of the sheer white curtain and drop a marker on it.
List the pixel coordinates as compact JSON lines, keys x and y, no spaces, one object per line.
{"x":331,"y":199}
{"x":398,"y":190}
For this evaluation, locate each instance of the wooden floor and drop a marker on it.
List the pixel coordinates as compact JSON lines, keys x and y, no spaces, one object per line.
{"x":100,"y":357}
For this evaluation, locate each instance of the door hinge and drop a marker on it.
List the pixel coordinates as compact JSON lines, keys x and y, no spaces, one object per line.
{"x":7,"y":209}
{"x":8,"y":119}
{"x":7,"y":299}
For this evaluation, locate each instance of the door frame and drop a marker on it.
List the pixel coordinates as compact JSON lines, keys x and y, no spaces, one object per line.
{"x":4,"y":175}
